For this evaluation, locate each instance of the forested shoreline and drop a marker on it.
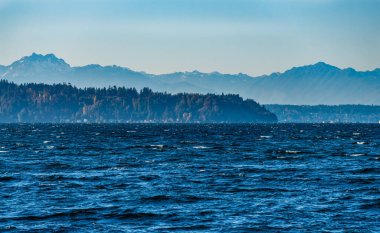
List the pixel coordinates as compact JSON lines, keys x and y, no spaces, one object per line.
{"x":65,"y":103}
{"x":347,"y":113}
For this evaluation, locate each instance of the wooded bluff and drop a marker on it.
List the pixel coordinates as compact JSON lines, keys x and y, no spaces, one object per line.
{"x":66,"y":103}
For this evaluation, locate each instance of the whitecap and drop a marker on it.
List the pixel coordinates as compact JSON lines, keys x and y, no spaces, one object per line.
{"x":46,"y":142}
{"x":361,"y":143}
{"x":264,"y":136}
{"x":357,"y":155}
{"x":3,"y":151}
{"x":355,"y":133}
{"x":116,"y":169}
{"x":157,"y":146}
{"x":200,"y":147}
{"x":292,"y":151}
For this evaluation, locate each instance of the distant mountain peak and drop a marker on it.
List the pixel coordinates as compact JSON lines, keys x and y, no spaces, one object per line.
{"x":318,"y":69}
{"x":194,"y":72}
{"x":323,"y":65}
{"x":319,"y":66}
{"x":40,"y":60}
{"x":40,"y":57}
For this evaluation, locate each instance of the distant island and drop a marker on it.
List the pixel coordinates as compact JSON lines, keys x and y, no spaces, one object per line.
{"x":326,"y":114}
{"x":60,"y":103}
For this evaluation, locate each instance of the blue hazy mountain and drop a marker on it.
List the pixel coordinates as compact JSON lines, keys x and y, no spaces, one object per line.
{"x":49,"y":69}
{"x":2,"y":69}
{"x":320,"y":83}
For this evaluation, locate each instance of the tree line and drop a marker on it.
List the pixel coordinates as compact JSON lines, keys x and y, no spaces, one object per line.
{"x":66,"y":103}
{"x":326,"y":113}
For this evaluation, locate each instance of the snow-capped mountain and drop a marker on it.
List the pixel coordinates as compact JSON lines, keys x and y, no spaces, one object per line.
{"x":320,"y":83}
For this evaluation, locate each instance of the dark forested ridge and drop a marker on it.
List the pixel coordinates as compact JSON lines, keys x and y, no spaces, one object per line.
{"x":66,"y":103}
{"x":326,"y":113}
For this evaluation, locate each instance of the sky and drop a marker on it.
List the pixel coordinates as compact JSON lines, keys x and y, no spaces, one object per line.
{"x":161,"y":36}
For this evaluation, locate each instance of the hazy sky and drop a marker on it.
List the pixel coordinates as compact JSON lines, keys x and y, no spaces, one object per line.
{"x":159,"y":36}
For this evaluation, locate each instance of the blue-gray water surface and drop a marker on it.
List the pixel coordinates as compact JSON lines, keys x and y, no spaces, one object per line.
{"x":189,"y":178}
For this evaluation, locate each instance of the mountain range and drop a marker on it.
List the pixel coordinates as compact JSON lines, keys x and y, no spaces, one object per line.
{"x":319,"y":83}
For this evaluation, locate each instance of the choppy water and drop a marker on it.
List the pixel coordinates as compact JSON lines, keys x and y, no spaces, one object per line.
{"x":207,"y":178}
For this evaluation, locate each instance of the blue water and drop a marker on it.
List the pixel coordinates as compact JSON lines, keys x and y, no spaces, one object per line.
{"x":189,"y":178}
